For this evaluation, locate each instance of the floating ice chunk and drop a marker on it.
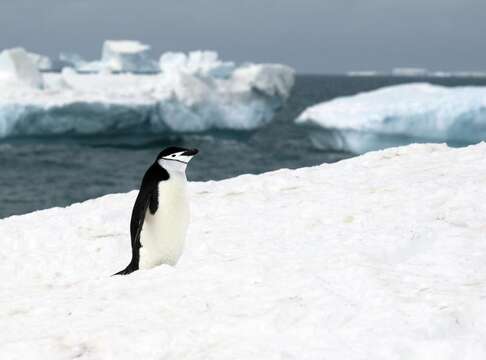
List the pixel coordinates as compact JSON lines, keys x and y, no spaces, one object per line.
{"x":127,"y":56}
{"x":172,"y":101}
{"x":196,"y":101}
{"x":202,"y":104}
{"x":270,"y":79}
{"x":117,"y":56}
{"x":398,"y":115}
{"x":76,"y":62}
{"x":72,"y":60}
{"x":18,"y":67}
{"x":171,"y":61}
{"x":206,"y":63}
{"x":414,"y":72}
{"x":364,"y":73}
{"x":42,"y":62}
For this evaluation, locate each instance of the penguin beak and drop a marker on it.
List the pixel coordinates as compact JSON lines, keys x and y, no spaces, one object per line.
{"x":190,"y":152}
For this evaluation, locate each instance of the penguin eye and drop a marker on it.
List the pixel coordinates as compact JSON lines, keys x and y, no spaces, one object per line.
{"x":173,"y":155}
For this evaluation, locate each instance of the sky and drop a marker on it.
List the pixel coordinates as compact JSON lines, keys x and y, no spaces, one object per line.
{"x":313,"y":36}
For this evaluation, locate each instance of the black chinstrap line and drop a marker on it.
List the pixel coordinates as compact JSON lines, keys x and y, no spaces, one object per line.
{"x":176,"y":160}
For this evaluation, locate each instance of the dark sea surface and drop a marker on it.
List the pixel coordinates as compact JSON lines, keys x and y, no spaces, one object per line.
{"x":38,"y":173}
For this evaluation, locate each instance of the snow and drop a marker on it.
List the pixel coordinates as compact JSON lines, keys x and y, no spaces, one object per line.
{"x":376,"y":257}
{"x":398,"y":115}
{"x":127,"y":56}
{"x":125,"y":47}
{"x":116,"y":56}
{"x":172,"y":101}
{"x":197,"y":63}
{"x":72,"y":60}
{"x":17,"y":68}
{"x":42,"y":62}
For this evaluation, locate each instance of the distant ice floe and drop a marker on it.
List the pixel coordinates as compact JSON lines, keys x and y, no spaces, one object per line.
{"x":417,"y":73}
{"x":410,"y":71}
{"x":127,"y":56}
{"x":205,"y":63}
{"x":116,"y":56}
{"x":72,"y":60}
{"x":42,"y":62}
{"x":364,"y":73}
{"x":19,"y":68}
{"x":398,"y":115}
{"x":194,"y":92}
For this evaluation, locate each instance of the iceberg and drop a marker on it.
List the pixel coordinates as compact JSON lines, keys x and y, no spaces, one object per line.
{"x":388,"y":265}
{"x":18,"y":68}
{"x":205,"y":63}
{"x":127,"y":56}
{"x":398,"y":115}
{"x":410,"y":71}
{"x":188,"y":98}
{"x":76,"y":62}
{"x":42,"y":62}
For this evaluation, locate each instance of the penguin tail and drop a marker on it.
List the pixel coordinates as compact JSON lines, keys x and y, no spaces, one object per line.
{"x":129,"y":269}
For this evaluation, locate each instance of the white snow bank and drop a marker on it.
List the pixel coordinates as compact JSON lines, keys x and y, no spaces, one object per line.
{"x":399,"y":115}
{"x":17,"y":67}
{"x":127,"y":56}
{"x":377,"y":257}
{"x":172,"y":101}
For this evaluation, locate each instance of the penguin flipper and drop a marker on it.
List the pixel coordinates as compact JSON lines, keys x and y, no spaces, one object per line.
{"x":143,"y":202}
{"x":147,"y":199}
{"x":133,"y":265}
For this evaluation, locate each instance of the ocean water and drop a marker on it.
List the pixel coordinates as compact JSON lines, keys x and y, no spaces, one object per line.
{"x":38,"y":173}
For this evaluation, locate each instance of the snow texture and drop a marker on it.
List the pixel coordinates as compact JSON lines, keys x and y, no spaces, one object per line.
{"x":197,"y":63}
{"x":127,"y":56}
{"x":18,"y":67}
{"x":398,"y":115}
{"x":72,"y":60}
{"x":42,"y":62}
{"x":184,"y":99}
{"x":378,"y":257}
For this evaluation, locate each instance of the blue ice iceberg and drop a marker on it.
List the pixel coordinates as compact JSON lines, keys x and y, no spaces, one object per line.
{"x":127,"y":56}
{"x":18,"y":68}
{"x":116,"y":56}
{"x":191,"y":97}
{"x":398,"y":115}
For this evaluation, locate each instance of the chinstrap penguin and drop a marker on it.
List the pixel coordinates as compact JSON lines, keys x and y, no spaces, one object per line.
{"x":160,"y":216}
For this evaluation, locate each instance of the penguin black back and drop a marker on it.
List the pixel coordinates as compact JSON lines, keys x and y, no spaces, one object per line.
{"x":147,"y":198}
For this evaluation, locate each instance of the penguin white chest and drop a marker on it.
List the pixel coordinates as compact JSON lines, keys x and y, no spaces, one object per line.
{"x":163,"y":233}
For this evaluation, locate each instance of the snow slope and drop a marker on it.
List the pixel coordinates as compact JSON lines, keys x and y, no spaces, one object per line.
{"x":398,"y":115}
{"x":174,"y":101}
{"x":377,"y":257}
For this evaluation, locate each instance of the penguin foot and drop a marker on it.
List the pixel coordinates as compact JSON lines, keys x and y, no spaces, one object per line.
{"x":129,"y":269}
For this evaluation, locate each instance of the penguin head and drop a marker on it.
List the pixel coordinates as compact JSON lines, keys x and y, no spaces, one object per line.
{"x":175,"y":158}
